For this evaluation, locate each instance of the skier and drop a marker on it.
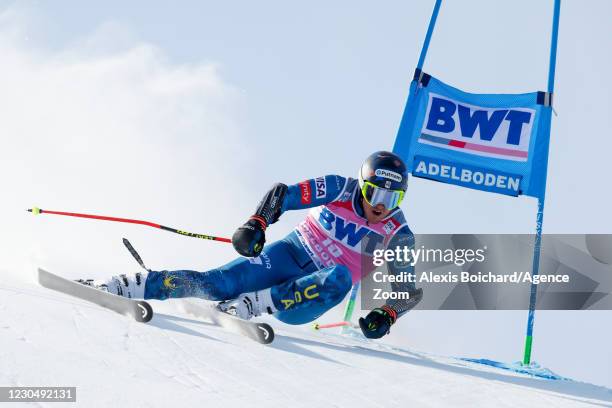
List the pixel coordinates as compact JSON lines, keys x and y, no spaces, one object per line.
{"x":311,"y":270}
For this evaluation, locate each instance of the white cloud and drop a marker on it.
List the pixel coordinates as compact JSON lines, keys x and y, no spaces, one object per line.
{"x":114,"y":129}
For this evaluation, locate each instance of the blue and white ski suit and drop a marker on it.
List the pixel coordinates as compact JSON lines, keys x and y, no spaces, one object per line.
{"x":313,"y":268}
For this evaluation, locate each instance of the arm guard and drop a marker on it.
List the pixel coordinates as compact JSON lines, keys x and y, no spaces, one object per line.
{"x":270,"y":208}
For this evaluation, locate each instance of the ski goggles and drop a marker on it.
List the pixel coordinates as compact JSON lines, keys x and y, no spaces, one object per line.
{"x":375,"y":195}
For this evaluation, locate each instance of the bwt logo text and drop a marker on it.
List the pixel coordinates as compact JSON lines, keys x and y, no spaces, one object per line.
{"x":504,"y":132}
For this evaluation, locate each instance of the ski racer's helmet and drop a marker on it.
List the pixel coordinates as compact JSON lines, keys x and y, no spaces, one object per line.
{"x":383,"y":179}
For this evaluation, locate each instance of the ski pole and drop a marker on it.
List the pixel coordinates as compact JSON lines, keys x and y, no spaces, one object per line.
{"x":318,"y":326}
{"x":36,"y":211}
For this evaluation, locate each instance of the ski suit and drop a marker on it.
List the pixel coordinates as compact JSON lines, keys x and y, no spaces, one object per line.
{"x":313,"y":268}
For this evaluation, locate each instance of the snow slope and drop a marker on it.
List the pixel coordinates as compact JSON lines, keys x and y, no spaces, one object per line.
{"x":51,"y":339}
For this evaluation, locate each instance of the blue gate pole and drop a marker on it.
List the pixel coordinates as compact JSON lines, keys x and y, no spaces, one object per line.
{"x":398,"y":145}
{"x":540,"y":216}
{"x":432,"y":24}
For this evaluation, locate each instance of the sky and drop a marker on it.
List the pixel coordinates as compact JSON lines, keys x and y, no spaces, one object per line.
{"x":185,"y":114}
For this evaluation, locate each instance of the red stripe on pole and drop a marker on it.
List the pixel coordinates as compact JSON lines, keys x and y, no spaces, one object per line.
{"x":102,"y":217}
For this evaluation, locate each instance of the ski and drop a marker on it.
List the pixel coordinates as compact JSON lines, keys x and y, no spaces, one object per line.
{"x":260,"y":332}
{"x":140,"y":310}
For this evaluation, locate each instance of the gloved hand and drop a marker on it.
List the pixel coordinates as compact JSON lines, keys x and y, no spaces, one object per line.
{"x":249,"y":239}
{"x":378,"y":322}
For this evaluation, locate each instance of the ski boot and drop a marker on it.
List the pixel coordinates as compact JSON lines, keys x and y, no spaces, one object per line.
{"x":249,"y":305}
{"x":130,"y":285}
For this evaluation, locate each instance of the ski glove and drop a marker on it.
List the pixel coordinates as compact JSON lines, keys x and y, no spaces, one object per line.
{"x":249,"y":239}
{"x":378,"y":322}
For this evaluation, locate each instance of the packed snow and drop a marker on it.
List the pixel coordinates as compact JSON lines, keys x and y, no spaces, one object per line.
{"x":177,"y":359}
